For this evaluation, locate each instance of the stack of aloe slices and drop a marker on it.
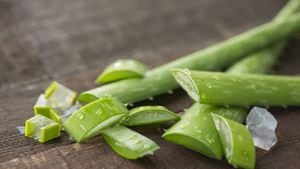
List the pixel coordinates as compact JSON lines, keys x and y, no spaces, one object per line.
{"x":212,"y":126}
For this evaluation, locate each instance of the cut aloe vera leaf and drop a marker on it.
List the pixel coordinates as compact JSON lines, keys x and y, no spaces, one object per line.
{"x":196,"y":129}
{"x":224,"y":88}
{"x":59,"y":97}
{"x":122,"y":69}
{"x":146,"y":115}
{"x":68,"y":112}
{"x":91,"y":119}
{"x":41,"y":128}
{"x":41,"y":107}
{"x":237,"y":142}
{"x":128,"y":143}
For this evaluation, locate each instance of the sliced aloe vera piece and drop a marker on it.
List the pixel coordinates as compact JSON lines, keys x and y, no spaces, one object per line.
{"x":128,"y":143}
{"x":237,"y":142}
{"x":94,"y":117}
{"x":145,"y":115}
{"x":196,"y":129}
{"x":224,"y":88}
{"x":59,"y":97}
{"x":41,"y":128}
{"x":122,"y":69}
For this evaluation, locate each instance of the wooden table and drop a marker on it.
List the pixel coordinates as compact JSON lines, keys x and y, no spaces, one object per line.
{"x":71,"y":41}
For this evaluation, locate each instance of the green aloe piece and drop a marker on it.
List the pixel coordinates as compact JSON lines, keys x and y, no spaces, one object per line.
{"x":145,"y":115}
{"x":122,"y":69}
{"x":59,"y":97}
{"x":91,"y":119}
{"x":41,"y":128}
{"x":196,"y":129}
{"x":237,"y":142}
{"x":47,"y":112}
{"x":41,"y":107}
{"x":128,"y":143}
{"x":224,"y":88}
{"x":160,"y":80}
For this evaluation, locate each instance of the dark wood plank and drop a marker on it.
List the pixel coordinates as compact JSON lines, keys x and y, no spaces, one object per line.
{"x":72,"y":40}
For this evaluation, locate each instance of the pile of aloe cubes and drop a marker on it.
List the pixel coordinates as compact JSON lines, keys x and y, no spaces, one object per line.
{"x":57,"y":110}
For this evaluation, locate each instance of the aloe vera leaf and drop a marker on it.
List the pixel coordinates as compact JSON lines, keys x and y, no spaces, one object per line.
{"x":122,"y":69}
{"x":237,"y":142}
{"x":41,"y":128}
{"x":91,"y":119}
{"x":128,"y":143}
{"x":261,"y":62}
{"x":196,"y":129}
{"x":258,"y":63}
{"x":159,"y":80}
{"x":224,"y":88}
{"x":146,"y":115}
{"x":59,"y":97}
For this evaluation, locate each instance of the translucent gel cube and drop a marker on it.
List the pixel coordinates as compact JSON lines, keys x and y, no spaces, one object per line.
{"x":59,"y":97}
{"x":41,"y":128}
{"x":262,"y":125}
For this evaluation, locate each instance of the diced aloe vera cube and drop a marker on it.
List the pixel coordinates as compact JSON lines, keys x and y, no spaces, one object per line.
{"x":41,"y":107}
{"x":93,"y":118}
{"x":59,"y":97}
{"x":41,"y":128}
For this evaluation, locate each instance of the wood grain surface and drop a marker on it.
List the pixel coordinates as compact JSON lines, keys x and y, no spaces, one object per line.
{"x":71,"y":41}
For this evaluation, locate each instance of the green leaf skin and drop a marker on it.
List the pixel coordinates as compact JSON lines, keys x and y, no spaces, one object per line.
{"x":59,"y":96}
{"x":237,"y":142}
{"x":250,"y":89}
{"x":160,"y":80}
{"x":146,"y":115}
{"x":122,"y":69}
{"x":196,"y":129}
{"x":289,"y":9}
{"x":91,"y":119}
{"x":128,"y":143}
{"x":258,"y":63}
{"x":41,"y":128}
